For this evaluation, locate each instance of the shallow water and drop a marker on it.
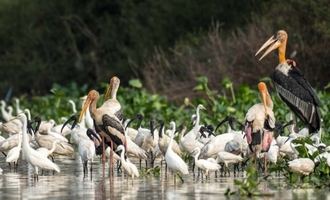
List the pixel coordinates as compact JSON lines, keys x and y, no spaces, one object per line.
{"x":70,"y":183}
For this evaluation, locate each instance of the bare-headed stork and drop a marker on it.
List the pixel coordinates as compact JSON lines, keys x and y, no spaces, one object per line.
{"x":260,"y":122}
{"x":106,"y":123}
{"x":291,"y":85}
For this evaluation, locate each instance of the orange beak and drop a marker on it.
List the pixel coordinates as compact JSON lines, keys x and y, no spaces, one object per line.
{"x":263,"y":92}
{"x":273,"y":43}
{"x":84,"y":108}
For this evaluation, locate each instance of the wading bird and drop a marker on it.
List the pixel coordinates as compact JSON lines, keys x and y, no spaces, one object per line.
{"x":205,"y":165}
{"x":106,"y":123}
{"x":6,"y":115}
{"x":13,"y":154}
{"x":173,"y":160}
{"x":260,"y":123}
{"x":36,"y":159}
{"x":110,"y":98}
{"x":291,"y":85}
{"x":188,"y":142}
{"x":129,"y":167}
{"x":302,"y":165}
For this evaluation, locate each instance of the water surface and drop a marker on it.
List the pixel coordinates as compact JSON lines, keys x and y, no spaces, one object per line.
{"x":70,"y":183}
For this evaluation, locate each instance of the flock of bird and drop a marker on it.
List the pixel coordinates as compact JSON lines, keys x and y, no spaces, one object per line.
{"x":103,"y":131}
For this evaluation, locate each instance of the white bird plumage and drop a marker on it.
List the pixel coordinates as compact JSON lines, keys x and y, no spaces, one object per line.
{"x":129,"y":167}
{"x":302,"y":165}
{"x":205,"y":165}
{"x":173,"y":161}
{"x":36,"y":159}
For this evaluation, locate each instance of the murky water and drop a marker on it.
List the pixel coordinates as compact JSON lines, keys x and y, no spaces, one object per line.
{"x":71,"y":183}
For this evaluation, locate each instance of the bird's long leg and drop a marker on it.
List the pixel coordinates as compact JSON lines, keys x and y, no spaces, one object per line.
{"x":91,"y":170}
{"x":4,"y":154}
{"x":111,"y":159}
{"x":265,"y":166}
{"x":294,"y":124}
{"x":152,"y":159}
{"x":16,"y":165}
{"x":140,"y":161}
{"x":103,"y":155}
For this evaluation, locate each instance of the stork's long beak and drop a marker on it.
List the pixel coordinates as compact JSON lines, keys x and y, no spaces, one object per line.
{"x":84,"y":108}
{"x":263,"y":92}
{"x":272,"y":43}
{"x":107,"y":93}
{"x":202,"y":107}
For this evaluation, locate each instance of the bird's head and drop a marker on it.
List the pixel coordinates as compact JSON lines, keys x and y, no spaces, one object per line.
{"x":265,"y":97}
{"x":112,"y":87}
{"x":273,"y":43}
{"x":201,"y":107}
{"x":120,"y":148}
{"x":92,"y":96}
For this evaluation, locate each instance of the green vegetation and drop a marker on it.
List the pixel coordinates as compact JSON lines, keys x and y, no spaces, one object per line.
{"x":136,"y":99}
{"x":235,"y":102}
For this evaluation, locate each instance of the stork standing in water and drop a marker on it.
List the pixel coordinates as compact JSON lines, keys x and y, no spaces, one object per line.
{"x":106,"y":123}
{"x":259,"y":123}
{"x":291,"y":85}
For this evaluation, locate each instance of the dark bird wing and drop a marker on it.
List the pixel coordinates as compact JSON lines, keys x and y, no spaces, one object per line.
{"x":113,"y":128}
{"x":298,"y":94}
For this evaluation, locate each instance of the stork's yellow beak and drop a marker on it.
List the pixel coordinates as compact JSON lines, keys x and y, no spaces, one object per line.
{"x":263,"y":92}
{"x":273,"y":43}
{"x":108,"y":92}
{"x":84,"y":108}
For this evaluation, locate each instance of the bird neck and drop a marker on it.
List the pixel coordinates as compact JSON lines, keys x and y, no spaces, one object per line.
{"x":122,"y":154}
{"x":17,"y":105}
{"x":171,"y":140}
{"x":113,"y":92}
{"x":28,"y":113}
{"x":53,"y":148}
{"x":25,"y":136}
{"x":197,"y":118}
{"x":74,"y":110}
{"x":281,"y":53}
{"x":92,"y":107}
{"x":269,"y":102}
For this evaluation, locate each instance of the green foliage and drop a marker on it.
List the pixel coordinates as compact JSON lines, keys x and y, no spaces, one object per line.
{"x":249,"y":185}
{"x":137,"y":100}
{"x":155,"y":171}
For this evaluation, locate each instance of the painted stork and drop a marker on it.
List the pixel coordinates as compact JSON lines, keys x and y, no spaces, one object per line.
{"x":291,"y":85}
{"x":260,"y":123}
{"x":106,"y":123}
{"x":110,"y":98}
{"x":104,"y":120}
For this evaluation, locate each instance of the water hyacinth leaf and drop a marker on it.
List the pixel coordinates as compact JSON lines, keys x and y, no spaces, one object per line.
{"x":135,"y":83}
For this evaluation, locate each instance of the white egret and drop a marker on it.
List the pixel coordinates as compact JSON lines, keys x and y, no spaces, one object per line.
{"x":129,"y":167}
{"x":205,"y":165}
{"x":36,"y":159}
{"x":173,"y":160}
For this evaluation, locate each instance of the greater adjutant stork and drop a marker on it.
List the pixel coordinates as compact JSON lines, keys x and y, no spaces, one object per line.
{"x":291,"y":85}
